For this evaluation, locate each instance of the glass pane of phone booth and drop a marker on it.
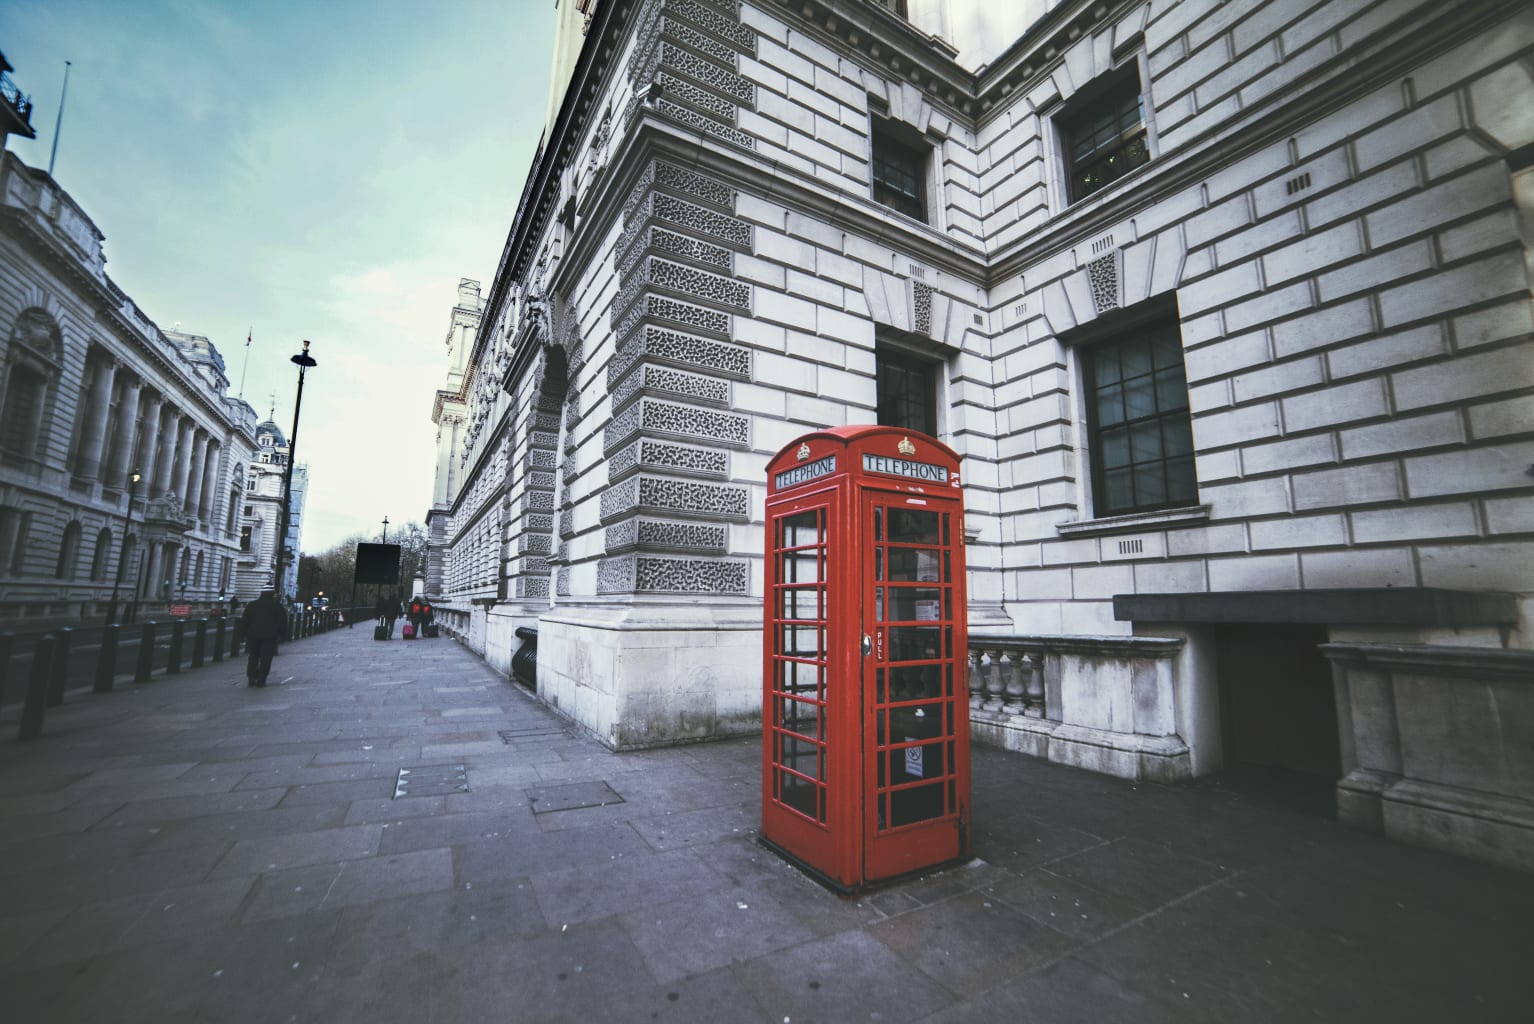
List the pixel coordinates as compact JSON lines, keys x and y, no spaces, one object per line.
{"x":798,"y":663}
{"x":916,"y":665}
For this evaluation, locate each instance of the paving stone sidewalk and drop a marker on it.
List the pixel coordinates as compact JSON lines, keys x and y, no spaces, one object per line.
{"x":189,"y":849}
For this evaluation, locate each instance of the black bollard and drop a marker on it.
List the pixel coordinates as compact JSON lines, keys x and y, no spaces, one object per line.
{"x":7,"y":646}
{"x":37,"y":690}
{"x":106,"y":661}
{"x":177,"y":644}
{"x":145,"y":653}
{"x":199,"y":643}
{"x":218,"y":641}
{"x":60,"y":673}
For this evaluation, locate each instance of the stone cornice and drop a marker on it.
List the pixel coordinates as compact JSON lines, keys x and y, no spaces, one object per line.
{"x":604,"y":37}
{"x":1488,"y":663}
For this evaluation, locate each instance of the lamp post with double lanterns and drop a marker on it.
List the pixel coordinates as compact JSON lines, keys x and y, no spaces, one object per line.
{"x":304,"y":361}
{"x":122,"y":556}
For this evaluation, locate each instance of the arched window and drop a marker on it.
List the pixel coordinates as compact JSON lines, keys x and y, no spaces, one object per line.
{"x":197,"y":574}
{"x":69,"y":553}
{"x":101,"y":555}
{"x":31,"y":367}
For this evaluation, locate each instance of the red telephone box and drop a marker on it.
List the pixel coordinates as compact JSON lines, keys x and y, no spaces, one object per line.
{"x":865,"y":698}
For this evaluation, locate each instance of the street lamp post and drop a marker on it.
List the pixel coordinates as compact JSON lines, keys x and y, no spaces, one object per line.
{"x":122,"y":555}
{"x":304,"y":361}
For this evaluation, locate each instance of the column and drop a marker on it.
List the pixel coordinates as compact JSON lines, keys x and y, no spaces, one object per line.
{"x":196,"y":466}
{"x":118,"y":467}
{"x":209,"y":497}
{"x":183,"y":460}
{"x":93,"y":436}
{"x":150,"y":588}
{"x":149,"y":438}
{"x":165,"y":451}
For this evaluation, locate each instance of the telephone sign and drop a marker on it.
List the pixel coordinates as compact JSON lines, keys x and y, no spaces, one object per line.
{"x":865,"y":699}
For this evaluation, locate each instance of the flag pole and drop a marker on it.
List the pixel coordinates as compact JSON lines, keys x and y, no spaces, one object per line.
{"x":59,"y":121}
{"x":246,"y":366}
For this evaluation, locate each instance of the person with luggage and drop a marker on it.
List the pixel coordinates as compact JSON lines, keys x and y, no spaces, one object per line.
{"x":263,"y":622}
{"x":417,"y":617}
{"x":388,"y":611}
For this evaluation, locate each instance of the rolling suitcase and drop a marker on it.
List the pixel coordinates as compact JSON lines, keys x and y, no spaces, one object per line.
{"x":381,"y":631}
{"x":408,"y":632}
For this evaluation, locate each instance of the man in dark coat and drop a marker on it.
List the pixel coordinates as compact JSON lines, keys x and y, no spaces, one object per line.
{"x":388,"y":611}
{"x":263,"y":623}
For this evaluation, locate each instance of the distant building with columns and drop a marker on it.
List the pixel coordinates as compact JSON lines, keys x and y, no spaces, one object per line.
{"x":450,"y":413}
{"x":261,"y":516}
{"x":92,"y":390}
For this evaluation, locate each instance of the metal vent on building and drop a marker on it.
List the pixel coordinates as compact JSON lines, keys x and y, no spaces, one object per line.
{"x":1132,"y":547}
{"x":1297,"y":183}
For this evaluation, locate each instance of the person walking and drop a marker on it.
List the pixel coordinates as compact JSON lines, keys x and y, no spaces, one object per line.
{"x":262,"y":623}
{"x":388,"y":612}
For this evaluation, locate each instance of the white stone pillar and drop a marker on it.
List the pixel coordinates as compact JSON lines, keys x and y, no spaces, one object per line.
{"x":116,"y":473}
{"x":208,"y":500}
{"x":196,"y":466}
{"x":165,"y":449}
{"x":93,"y":436}
{"x":183,"y":459}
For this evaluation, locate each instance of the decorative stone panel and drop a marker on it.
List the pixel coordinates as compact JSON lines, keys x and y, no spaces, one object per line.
{"x":562,"y":582}
{"x":704,"y":123}
{"x":666,"y":457}
{"x":676,"y":497}
{"x":668,"y":383}
{"x":665,"y":535}
{"x":535,"y":544}
{"x":921,"y":308}
{"x":1103,"y":276}
{"x":698,"y":285}
{"x":646,"y":239}
{"x":685,"y":314}
{"x":532,"y":588}
{"x":654,"y":416}
{"x":665,"y":345}
{"x":690,"y":217}
{"x":538,"y":501}
{"x":628,"y":574}
{"x":726,"y":26}
{"x":538,"y":521}
{"x":542,"y":458}
{"x":540,"y":481}
{"x":720,"y":109}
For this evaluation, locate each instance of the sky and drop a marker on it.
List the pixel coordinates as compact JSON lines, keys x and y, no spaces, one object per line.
{"x":290,"y":170}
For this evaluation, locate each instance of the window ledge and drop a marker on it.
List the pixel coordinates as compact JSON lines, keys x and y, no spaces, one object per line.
{"x":1135,"y":521}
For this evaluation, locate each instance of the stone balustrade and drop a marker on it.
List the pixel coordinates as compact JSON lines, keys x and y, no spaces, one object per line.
{"x":1106,"y":703}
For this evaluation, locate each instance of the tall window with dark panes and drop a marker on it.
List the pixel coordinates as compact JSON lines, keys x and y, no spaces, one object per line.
{"x":1137,"y":410}
{"x":899,"y":168}
{"x":907,"y":392}
{"x":1104,"y":135}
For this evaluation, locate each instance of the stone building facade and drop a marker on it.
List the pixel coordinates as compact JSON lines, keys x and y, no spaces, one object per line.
{"x":1226,"y":307}
{"x":91,"y":390}
{"x":261,"y":515}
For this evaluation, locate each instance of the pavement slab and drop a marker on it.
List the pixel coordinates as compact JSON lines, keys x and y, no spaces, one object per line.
{"x":195,"y":850}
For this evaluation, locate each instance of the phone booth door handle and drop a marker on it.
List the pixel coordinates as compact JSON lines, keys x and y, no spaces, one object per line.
{"x":868,"y":645}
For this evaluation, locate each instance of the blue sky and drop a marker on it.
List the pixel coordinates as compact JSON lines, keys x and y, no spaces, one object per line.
{"x":300,"y":170}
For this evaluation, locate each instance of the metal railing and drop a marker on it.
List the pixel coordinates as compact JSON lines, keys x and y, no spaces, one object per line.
{"x":15,"y":98}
